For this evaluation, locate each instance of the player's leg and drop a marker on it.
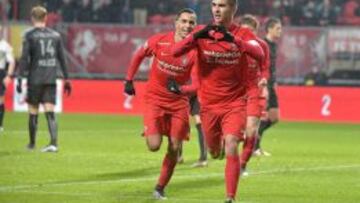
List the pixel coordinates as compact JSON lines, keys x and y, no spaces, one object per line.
{"x":179,"y":131}
{"x":49,"y":99}
{"x":252,"y":124}
{"x":2,"y":106}
{"x":254,"y":107}
{"x":154,"y":127}
{"x":272,"y":118}
{"x":195,"y":112}
{"x":203,"y":152}
{"x":233,"y":126}
{"x":33,"y":99}
{"x":213,"y":135}
{"x":2,"y":111}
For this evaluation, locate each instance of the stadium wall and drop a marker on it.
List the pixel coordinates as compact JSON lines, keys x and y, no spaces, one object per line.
{"x":297,"y":103}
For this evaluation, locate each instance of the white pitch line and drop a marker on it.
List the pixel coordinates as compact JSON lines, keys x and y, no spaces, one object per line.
{"x":141,"y":197}
{"x":153,"y":178}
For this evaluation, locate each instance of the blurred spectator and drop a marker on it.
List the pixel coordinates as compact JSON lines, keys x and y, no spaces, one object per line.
{"x":139,"y":8}
{"x":349,"y":14}
{"x":309,"y":13}
{"x":85,"y":12}
{"x":327,"y":13}
{"x":125,"y":12}
{"x":68,"y":11}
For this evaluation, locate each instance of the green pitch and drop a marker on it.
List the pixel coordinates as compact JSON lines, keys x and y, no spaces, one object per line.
{"x":103,"y":158}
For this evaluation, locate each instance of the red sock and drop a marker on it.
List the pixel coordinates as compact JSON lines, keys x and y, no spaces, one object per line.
{"x":248,"y":148}
{"x":232,"y":172}
{"x":167,"y":170}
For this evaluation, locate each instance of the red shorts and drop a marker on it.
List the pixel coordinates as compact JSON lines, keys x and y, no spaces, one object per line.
{"x":256,"y":103}
{"x":159,"y":120}
{"x":219,"y":122}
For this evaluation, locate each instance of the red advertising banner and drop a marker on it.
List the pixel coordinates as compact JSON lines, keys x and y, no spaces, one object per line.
{"x":299,"y":51}
{"x":342,"y":40}
{"x":320,"y":104}
{"x":106,"y":49}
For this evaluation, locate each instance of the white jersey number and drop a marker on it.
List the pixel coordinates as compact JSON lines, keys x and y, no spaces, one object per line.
{"x":326,"y":102}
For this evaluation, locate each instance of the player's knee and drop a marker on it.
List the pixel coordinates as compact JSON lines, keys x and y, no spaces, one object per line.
{"x":231,"y":145}
{"x":153,"y":148}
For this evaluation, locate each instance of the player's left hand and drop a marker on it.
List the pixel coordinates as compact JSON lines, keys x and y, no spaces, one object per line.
{"x":228,"y":37}
{"x":173,"y":86}
{"x":67,"y":88}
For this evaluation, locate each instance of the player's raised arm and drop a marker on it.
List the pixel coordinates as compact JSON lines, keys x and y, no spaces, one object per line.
{"x":190,"y":42}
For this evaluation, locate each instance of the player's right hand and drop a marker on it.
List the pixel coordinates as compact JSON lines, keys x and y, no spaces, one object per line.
{"x":19,"y":86}
{"x":67,"y":88}
{"x":204,"y":33}
{"x":173,"y":86}
{"x":129,"y":87}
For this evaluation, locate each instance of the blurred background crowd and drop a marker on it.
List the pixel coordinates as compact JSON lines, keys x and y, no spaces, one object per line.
{"x":292,"y":12}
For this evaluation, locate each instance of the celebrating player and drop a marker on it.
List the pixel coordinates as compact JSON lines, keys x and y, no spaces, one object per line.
{"x":166,"y":113}
{"x":221,"y":46}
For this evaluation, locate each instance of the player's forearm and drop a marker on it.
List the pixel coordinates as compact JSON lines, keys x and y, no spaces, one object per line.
{"x":135,"y":64}
{"x":11,"y":69}
{"x":189,"y":89}
{"x":252,"y":48}
{"x":183,"y":46}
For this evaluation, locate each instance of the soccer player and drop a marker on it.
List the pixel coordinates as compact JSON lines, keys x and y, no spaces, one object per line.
{"x":7,"y":66}
{"x":256,"y":97}
{"x":273,"y":33}
{"x":221,"y":46}
{"x":42,"y":56}
{"x":165,"y":113}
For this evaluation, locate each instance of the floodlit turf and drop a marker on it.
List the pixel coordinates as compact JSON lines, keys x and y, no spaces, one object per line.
{"x":103,"y":158}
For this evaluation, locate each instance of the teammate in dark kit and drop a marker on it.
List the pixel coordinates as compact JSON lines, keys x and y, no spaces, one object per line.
{"x":273,"y":32}
{"x":42,"y":56}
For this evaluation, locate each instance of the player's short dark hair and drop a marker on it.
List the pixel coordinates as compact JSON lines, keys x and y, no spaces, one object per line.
{"x":38,"y":13}
{"x":250,"y":20}
{"x":271,"y":22}
{"x":184,"y":10}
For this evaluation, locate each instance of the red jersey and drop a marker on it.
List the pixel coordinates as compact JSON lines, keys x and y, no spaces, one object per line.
{"x":220,"y":64}
{"x":164,"y":66}
{"x":259,"y":69}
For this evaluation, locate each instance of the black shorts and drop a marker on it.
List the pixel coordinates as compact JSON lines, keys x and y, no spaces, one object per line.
{"x":37,"y":94}
{"x":194,"y":105}
{"x":273,"y":99}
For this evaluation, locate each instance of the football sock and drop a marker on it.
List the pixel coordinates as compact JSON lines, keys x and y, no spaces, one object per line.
{"x":263,"y":126}
{"x":248,"y":148}
{"x":33,"y":121}
{"x":232,"y":172}
{"x":167,"y":170}
{"x":2,"y":112}
{"x":52,"y":125}
{"x":203,"y":153}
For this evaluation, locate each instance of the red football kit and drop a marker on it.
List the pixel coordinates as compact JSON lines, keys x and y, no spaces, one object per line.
{"x":222,"y":77}
{"x":165,"y":113}
{"x":256,"y":102}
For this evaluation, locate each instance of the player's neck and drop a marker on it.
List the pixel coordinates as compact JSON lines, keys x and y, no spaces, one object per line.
{"x":270,"y":38}
{"x":177,"y":38}
{"x":39,"y":24}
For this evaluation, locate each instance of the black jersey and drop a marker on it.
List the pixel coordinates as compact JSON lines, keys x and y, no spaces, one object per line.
{"x":273,"y":55}
{"x":42,"y":56}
